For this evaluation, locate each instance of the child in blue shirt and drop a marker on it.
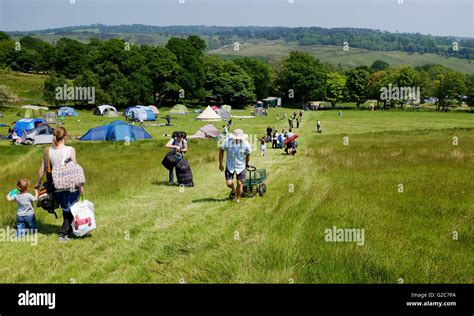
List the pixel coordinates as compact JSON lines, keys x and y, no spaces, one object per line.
{"x":26,"y":213}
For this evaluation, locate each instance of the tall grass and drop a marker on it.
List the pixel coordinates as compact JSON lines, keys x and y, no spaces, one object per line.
{"x":151,"y":232}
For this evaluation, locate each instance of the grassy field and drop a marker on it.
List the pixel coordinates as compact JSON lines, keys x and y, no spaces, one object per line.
{"x":151,"y":232}
{"x":277,"y":50}
{"x":28,"y":87}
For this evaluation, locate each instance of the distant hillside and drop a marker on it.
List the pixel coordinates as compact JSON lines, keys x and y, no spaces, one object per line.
{"x":373,"y":40}
{"x":277,"y":50}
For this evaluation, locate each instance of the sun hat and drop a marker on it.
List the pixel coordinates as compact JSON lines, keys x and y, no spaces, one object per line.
{"x":238,"y":134}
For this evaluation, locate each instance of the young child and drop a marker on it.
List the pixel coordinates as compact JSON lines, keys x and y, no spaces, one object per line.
{"x":263,"y":145}
{"x":26,"y":213}
{"x":15,"y":138}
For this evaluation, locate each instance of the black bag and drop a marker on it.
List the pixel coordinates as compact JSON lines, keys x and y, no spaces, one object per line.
{"x":46,"y":200}
{"x":184,"y":173}
{"x":170,"y":160}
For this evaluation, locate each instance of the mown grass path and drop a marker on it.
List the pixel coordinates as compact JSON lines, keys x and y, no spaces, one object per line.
{"x":151,"y":232}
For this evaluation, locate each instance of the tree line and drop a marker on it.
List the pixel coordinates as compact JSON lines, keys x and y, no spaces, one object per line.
{"x":356,"y":37}
{"x":125,"y":74}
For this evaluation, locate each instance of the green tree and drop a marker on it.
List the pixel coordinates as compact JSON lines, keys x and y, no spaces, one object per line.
{"x":51,"y":84}
{"x":89,"y":79}
{"x":229,"y":81}
{"x":379,"y":65}
{"x":163,"y":71}
{"x":40,"y":53}
{"x":449,"y":88}
{"x":302,"y":78}
{"x":70,"y":58}
{"x":261,"y":74}
{"x":189,"y":54}
{"x":335,"y":83}
{"x":357,"y":84}
{"x":469,"y":92}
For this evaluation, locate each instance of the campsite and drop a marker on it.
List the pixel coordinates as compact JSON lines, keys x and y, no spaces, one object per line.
{"x":350,"y":138}
{"x":150,"y":232}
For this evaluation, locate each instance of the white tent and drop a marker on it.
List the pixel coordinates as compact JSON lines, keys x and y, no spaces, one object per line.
{"x":103,"y":109}
{"x":209,"y":115}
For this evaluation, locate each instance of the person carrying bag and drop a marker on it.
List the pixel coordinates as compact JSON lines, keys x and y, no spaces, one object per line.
{"x":67,"y":178}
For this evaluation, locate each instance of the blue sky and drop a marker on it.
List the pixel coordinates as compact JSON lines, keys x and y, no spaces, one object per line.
{"x":437,"y":17}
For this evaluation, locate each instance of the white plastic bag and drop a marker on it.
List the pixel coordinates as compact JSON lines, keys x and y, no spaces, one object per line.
{"x":84,"y":220}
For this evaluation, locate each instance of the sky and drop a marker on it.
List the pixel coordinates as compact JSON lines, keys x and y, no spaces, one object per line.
{"x":436,"y":17}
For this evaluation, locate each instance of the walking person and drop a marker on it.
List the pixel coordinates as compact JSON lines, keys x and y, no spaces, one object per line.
{"x":180,"y":146}
{"x":274,"y":138}
{"x":53,"y":157}
{"x":238,"y":151}
{"x":318,"y":126}
{"x":25,"y":217}
{"x":298,"y":121}
{"x":263,"y":145}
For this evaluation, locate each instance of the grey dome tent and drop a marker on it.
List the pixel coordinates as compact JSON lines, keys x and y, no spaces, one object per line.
{"x":51,"y":118}
{"x":179,"y":109}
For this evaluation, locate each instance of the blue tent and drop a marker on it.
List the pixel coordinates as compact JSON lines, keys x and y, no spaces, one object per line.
{"x":26,"y":124}
{"x":140,"y":112}
{"x":116,"y":131}
{"x":67,"y":111}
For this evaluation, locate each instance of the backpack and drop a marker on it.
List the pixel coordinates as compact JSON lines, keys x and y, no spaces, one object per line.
{"x":68,"y":175}
{"x":46,"y":200}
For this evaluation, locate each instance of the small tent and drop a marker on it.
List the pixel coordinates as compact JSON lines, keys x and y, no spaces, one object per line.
{"x":31,"y":111}
{"x":51,"y":118}
{"x":111,"y":114}
{"x":223,"y":114}
{"x":43,"y":134}
{"x":226,"y":107}
{"x":207,"y":131}
{"x":104,"y":109}
{"x":116,"y":131}
{"x":154,"y":109}
{"x":67,"y":111}
{"x":179,"y":109}
{"x":215,"y":107}
{"x":27,"y":125}
{"x":208,"y":115}
{"x":140,"y":113}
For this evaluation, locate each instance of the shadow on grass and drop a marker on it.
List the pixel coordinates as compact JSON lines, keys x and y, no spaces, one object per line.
{"x":206,"y":200}
{"x":165,"y":183}
{"x":48,"y":229}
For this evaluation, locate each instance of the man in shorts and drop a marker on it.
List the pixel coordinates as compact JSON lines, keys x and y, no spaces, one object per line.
{"x":238,"y":152}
